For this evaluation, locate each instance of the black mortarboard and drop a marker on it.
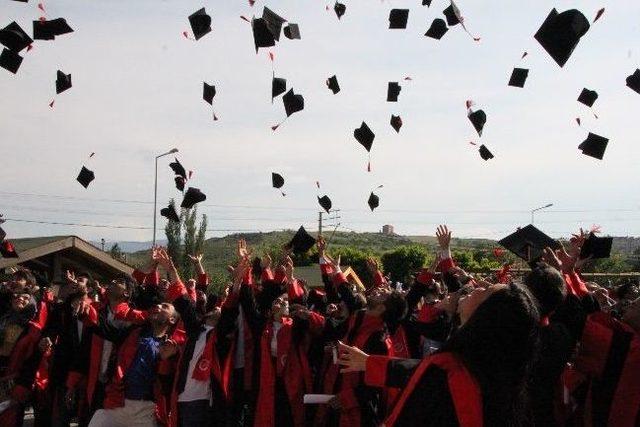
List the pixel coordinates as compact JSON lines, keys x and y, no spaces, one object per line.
{"x":364,"y":136}
{"x":450,"y":14}
{"x":478,"y":119}
{"x":437,"y":29}
{"x":277,"y":180}
{"x":633,"y":81}
{"x":7,"y":250}
{"x":178,"y":169}
{"x":594,"y":146}
{"x":191,"y":197}
{"x":398,"y":19}
{"x":588,"y":97}
{"x":262,"y":37}
{"x":10,"y":60}
{"x":518,"y":77}
{"x":63,"y":82}
{"x":340,"y":9}
{"x":332,"y":83}
{"x":85,"y":177}
{"x":13,"y":37}
{"x":170,"y":213}
{"x":278,"y":86}
{"x":200,"y":23}
{"x":48,"y":30}
{"x":393,"y":90}
{"x":301,"y":241}
{"x":396,"y":123}
{"x":292,"y":31}
{"x":208,"y":92}
{"x":180,"y":182}
{"x":528,"y":243}
{"x":3,"y":234}
{"x":273,"y":21}
{"x":292,"y":103}
{"x":596,"y":247}
{"x":426,"y":3}
{"x":485,"y":153}
{"x":325,"y":202}
{"x":560,"y":33}
{"x":374,"y":201}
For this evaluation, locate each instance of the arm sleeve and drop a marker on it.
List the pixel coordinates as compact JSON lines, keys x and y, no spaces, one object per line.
{"x":383,"y":371}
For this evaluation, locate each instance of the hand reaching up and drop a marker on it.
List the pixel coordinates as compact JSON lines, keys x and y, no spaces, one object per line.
{"x":444,"y":237}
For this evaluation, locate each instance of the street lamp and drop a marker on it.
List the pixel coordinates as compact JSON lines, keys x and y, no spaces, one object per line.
{"x":155,"y":191}
{"x":538,"y":209}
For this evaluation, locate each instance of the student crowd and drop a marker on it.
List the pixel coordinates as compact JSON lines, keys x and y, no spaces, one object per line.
{"x":447,"y":349}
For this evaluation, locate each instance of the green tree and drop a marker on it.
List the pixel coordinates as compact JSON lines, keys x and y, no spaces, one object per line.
{"x":354,"y":258}
{"x":115,"y":251}
{"x":185,"y":238}
{"x":402,"y":262}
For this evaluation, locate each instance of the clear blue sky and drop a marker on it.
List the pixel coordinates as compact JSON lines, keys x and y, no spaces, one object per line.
{"x":137,"y":91}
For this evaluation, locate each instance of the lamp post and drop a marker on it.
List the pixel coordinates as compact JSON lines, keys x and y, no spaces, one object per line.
{"x":538,"y":209}
{"x":155,"y":191}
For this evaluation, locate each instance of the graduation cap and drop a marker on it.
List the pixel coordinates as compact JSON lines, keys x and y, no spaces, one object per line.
{"x":596,"y":247}
{"x":373,"y":202}
{"x":633,"y":81}
{"x":437,"y":29}
{"x":277,"y":181}
{"x":301,"y":241}
{"x":180,"y":182}
{"x":278,"y":86}
{"x":485,"y":153}
{"x":200,"y":23}
{"x":396,"y":123}
{"x":292,"y":102}
{"x":325,"y":202}
{"x":560,"y":33}
{"x":48,"y":30}
{"x":208,"y":92}
{"x":274,"y":22}
{"x":13,"y":37}
{"x":292,"y":31}
{"x":7,"y":250}
{"x":332,"y":83}
{"x":450,"y":14}
{"x":262,"y":36}
{"x":339,"y":9}
{"x":588,"y":97}
{"x":426,"y":3}
{"x":478,"y":119}
{"x":85,"y":177}
{"x":398,"y":19}
{"x":594,"y":146}
{"x":178,"y":169}
{"x":170,"y":213}
{"x":393,"y":90}
{"x":364,"y":136}
{"x":518,"y":77}
{"x":3,"y":234}
{"x":10,"y":60}
{"x":63,"y":82}
{"x":528,"y":243}
{"x":191,"y":197}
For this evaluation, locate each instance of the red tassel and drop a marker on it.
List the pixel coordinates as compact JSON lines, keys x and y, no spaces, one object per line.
{"x":469,"y":103}
{"x":29,"y":47}
{"x":41,"y":7}
{"x":595,"y":229}
{"x":594,"y":114}
{"x":318,"y":184}
{"x":274,"y":127}
{"x":524,"y":55}
{"x":599,"y":14}
{"x":186,"y":35}
{"x":271,"y":56}
{"x":326,"y":8}
{"x":42,"y":19}
{"x":476,"y":39}
{"x":472,"y":143}
{"x":578,"y":121}
{"x":245,"y":19}
{"x":92,"y":154}
{"x":282,"y":192}
{"x":190,"y":174}
{"x":252,"y":2}
{"x":369,"y":166}
{"x":215,"y":118}
{"x":408,"y":78}
{"x":51,"y":103}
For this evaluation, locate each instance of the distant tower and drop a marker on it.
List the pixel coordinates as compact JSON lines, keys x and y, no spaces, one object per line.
{"x":387,"y":230}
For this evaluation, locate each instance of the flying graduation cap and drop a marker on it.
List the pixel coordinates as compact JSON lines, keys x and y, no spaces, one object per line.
{"x":14,"y":38}
{"x":374,"y":200}
{"x":332,"y":84}
{"x":85,"y":177}
{"x":452,"y":17}
{"x":588,"y":97}
{"x":485,"y":153}
{"x":365,"y":136}
{"x":48,"y":30}
{"x":277,"y":181}
{"x":518,"y":77}
{"x":170,"y":213}
{"x":325,"y":203}
{"x":266,"y":30}
{"x":10,"y":60}
{"x":560,"y":33}
{"x":208,"y":93}
{"x":594,"y":146}
{"x":178,"y":169}
{"x":278,"y":86}
{"x":393,"y":91}
{"x":437,"y":29}
{"x":596,"y":247}
{"x":63,"y":82}
{"x":633,"y":81}
{"x":339,"y":9}
{"x":301,"y":241}
{"x":191,"y":197}
{"x":200,"y":23}
{"x":426,"y":3}
{"x":528,"y":243}
{"x":477,"y":118}
{"x":292,"y":31}
{"x":396,"y":123}
{"x":398,"y":19}
{"x":292,"y":104}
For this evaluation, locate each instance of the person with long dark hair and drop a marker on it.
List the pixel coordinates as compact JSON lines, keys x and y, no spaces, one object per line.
{"x":479,"y":376}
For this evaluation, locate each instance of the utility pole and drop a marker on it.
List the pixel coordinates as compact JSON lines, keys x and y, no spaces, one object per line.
{"x":102,"y":244}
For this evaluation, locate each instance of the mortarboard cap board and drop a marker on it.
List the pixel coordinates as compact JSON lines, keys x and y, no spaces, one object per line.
{"x":292,"y":102}
{"x":596,"y":247}
{"x":373,"y":202}
{"x":339,"y":9}
{"x":450,"y":14}
{"x":426,"y":3}
{"x":364,"y":136}
{"x":485,"y":153}
{"x":633,"y":81}
{"x":178,"y":169}
{"x":292,"y":31}
{"x":301,"y":241}
{"x":398,"y":19}
{"x":396,"y":123}
{"x":325,"y":202}
{"x":48,"y":30}
{"x":478,"y":119}
{"x":332,"y":83}
{"x":191,"y":197}
{"x":63,"y":82}
{"x":594,"y":146}
{"x":13,"y":37}
{"x":200,"y":23}
{"x":7,"y":250}
{"x":208,"y":92}
{"x":180,"y":182}
{"x":518,"y":77}
{"x":437,"y":29}
{"x":274,"y":22}
{"x":170,"y":213}
{"x":277,"y":180}
{"x":528,"y":243}
{"x":262,"y":36}
{"x":560,"y":33}
{"x":85,"y":177}
{"x":278,"y":86}
{"x":10,"y":60}
{"x":588,"y":97}
{"x":393,"y":90}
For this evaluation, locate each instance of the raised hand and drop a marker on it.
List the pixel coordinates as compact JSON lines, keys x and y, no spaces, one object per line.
{"x":265,"y":261}
{"x":372,"y":265}
{"x":168,"y":349}
{"x":196,"y":259}
{"x":71,"y":278}
{"x":288,"y":267}
{"x":352,"y":359}
{"x":243,"y":250}
{"x":322,"y":245}
{"x":444,"y":237}
{"x":576,"y":242}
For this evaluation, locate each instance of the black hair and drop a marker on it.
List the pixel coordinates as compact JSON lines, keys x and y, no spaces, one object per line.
{"x":451,"y":281}
{"x":25,"y":275}
{"x":129,"y":283}
{"x":547,"y":286}
{"x":85,"y":274}
{"x":498,"y":345}
{"x":396,"y":308}
{"x":623,"y":290}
